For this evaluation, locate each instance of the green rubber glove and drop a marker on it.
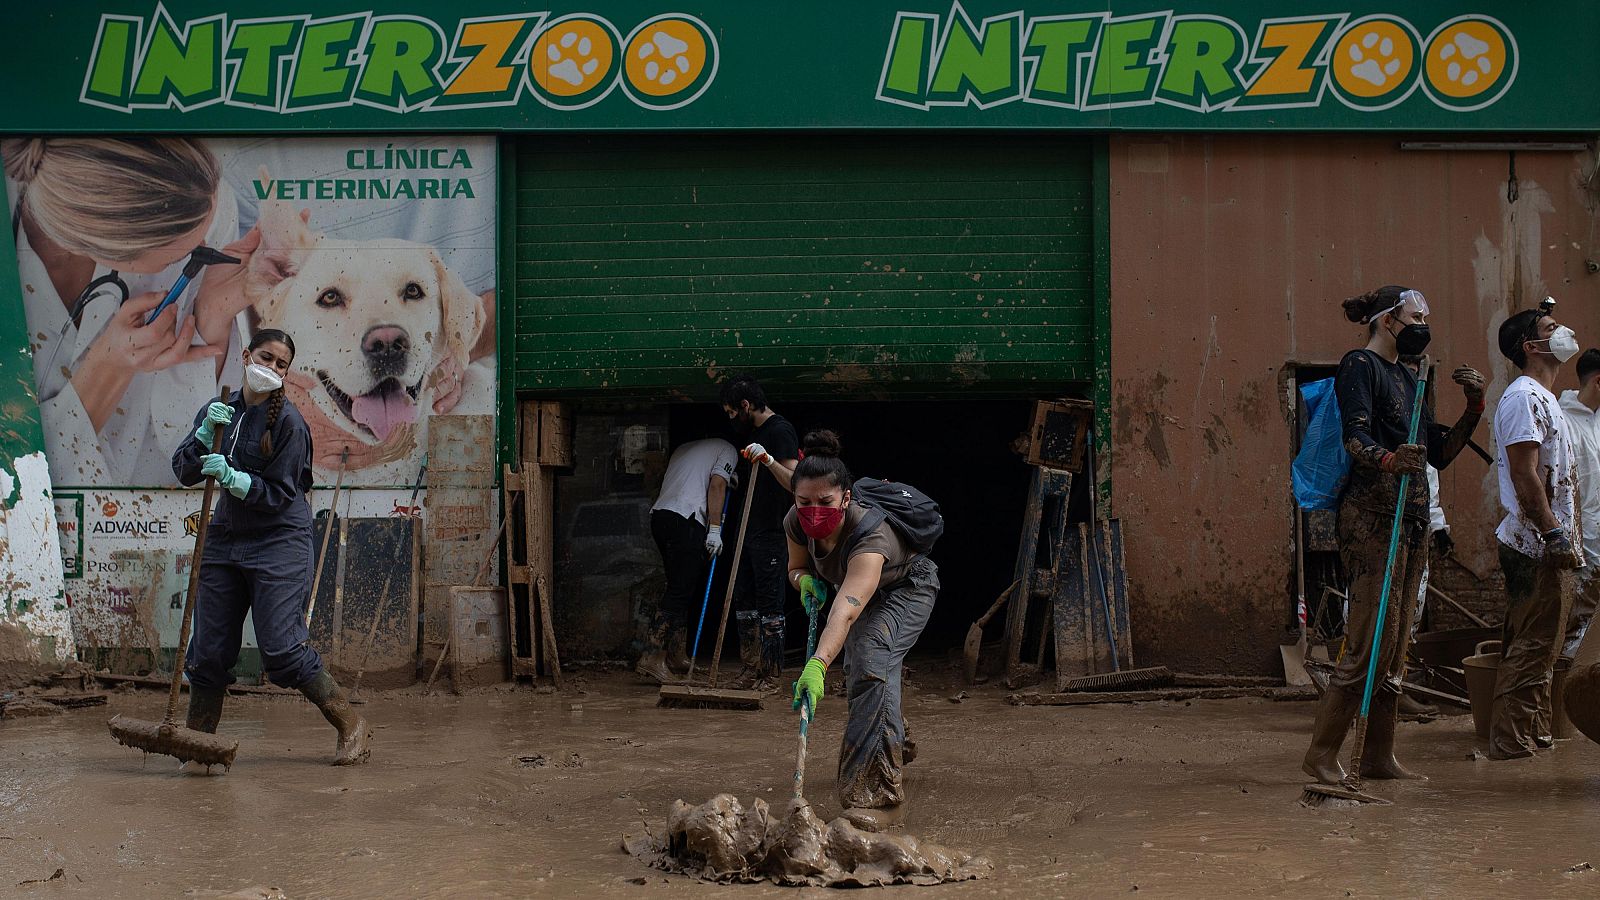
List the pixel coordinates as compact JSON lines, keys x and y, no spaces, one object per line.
{"x":235,"y":482}
{"x":813,"y":594}
{"x":809,"y":688}
{"x":216,"y":414}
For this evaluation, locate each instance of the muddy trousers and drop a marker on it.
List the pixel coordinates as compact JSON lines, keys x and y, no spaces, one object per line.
{"x":268,"y":579}
{"x":1364,"y":551}
{"x":682,"y":543}
{"x":1538,"y":599}
{"x":873,"y":750}
{"x":1585,"y":599}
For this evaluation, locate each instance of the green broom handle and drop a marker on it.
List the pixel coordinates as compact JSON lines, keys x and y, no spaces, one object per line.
{"x":1394,"y":547}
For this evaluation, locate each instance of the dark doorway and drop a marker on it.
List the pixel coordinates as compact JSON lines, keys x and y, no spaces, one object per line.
{"x":956,"y":451}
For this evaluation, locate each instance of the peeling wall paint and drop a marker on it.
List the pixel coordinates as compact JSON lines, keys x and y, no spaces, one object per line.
{"x":1228,"y":265}
{"x":35,"y":625}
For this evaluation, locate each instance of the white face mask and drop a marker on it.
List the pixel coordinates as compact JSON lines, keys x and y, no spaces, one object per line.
{"x":1563,"y":343}
{"x":261,"y":379}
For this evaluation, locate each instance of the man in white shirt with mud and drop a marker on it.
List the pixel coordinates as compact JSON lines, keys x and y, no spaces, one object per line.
{"x":1539,"y":536}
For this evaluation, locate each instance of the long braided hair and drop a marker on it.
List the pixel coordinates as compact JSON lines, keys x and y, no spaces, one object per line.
{"x":274,"y":402}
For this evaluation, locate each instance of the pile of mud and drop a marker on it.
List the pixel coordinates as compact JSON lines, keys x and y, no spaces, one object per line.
{"x":722,"y":841}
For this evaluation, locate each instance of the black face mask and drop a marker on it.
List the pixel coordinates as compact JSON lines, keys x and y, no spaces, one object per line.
{"x":1412,"y":340}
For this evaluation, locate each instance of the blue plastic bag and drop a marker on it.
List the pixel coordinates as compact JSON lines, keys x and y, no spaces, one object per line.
{"x":1322,"y":465}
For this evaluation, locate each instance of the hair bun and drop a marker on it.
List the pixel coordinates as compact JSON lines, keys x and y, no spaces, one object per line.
{"x":23,"y":157}
{"x":821,"y":442}
{"x":1355,"y":308}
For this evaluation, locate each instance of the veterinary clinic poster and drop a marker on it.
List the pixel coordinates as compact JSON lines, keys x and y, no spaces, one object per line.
{"x":376,"y":255}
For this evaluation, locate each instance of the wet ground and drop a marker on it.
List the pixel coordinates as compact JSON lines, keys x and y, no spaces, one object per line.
{"x":518,"y":794}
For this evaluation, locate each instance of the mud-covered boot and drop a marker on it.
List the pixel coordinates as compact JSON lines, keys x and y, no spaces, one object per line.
{"x":205,"y":712}
{"x":1377,"y":756}
{"x":880,"y":818}
{"x":749,"y":650}
{"x":652,"y":666}
{"x":678,"y":649}
{"x":1334,"y":712}
{"x":355,"y":735}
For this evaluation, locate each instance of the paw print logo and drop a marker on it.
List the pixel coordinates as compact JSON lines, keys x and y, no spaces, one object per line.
{"x":574,"y":61}
{"x":1375,"y":62}
{"x":1470,"y":62}
{"x":670,"y":61}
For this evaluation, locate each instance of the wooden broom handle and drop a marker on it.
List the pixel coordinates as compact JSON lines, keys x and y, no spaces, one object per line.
{"x":194,"y":581}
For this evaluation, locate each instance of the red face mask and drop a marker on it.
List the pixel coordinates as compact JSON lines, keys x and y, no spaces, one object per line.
{"x":820,"y":521}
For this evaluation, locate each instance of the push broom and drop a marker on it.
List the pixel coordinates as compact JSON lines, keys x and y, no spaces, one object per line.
{"x":168,"y":737}
{"x":1317,"y":794}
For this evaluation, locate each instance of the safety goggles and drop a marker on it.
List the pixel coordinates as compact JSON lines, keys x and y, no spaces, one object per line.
{"x":1411,"y":301}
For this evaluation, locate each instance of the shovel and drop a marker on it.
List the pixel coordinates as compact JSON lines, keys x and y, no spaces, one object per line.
{"x":974,"y":644}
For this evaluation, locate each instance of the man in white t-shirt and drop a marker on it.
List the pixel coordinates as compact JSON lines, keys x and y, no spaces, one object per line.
{"x":686,"y":523}
{"x":1580,"y":408}
{"x":1539,"y":537}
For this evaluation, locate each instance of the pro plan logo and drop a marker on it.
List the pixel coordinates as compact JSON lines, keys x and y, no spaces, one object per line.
{"x":400,"y":63}
{"x":1204,"y":63}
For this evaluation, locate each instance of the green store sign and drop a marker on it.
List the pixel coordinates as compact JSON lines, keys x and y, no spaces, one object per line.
{"x":186,"y":66}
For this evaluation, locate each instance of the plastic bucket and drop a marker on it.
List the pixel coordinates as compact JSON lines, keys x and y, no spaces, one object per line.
{"x":1481,"y":668}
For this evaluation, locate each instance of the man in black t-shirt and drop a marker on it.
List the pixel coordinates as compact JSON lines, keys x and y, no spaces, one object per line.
{"x":769,"y":442}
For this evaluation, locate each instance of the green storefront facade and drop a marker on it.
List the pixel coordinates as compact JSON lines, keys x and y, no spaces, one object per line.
{"x":853,"y":201}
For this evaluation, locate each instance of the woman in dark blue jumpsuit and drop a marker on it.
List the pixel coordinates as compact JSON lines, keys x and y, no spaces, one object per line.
{"x":258,"y":552}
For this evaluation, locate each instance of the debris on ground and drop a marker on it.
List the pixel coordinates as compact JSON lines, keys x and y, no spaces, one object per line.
{"x":59,"y":874}
{"x":723,"y":841}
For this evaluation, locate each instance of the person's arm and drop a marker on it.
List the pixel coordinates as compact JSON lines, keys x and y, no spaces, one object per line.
{"x":799,"y":563}
{"x":1445,"y":444}
{"x":1353,"y":388}
{"x":716,"y":489}
{"x":860,"y":583}
{"x":1522,"y":460}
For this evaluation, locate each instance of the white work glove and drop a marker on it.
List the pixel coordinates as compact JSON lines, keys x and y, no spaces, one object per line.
{"x":714,"y":541}
{"x":758,"y":454}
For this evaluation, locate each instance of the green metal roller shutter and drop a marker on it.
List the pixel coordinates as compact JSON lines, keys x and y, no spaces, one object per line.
{"x":923,"y":264}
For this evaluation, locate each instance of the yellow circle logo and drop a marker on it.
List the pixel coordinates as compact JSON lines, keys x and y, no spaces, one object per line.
{"x":574,"y":61}
{"x":669,"y":61}
{"x":1469,"y":62}
{"x":1375,"y":62}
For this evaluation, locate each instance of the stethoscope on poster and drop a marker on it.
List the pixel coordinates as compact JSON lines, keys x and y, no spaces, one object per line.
{"x":199,"y":258}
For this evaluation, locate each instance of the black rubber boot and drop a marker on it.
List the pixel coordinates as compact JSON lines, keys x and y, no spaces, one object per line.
{"x":652,"y":665}
{"x":678,"y":648}
{"x":749,"y":650}
{"x":355,"y":736}
{"x":205,"y":712}
{"x":205,"y":708}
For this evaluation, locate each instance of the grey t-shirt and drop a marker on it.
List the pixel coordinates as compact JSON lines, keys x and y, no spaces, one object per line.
{"x":897,"y":557}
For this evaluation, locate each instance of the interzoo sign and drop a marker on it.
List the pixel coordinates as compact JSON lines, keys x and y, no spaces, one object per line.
{"x":198,"y":66}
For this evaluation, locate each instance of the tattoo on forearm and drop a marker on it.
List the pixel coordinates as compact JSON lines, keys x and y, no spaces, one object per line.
{"x":853,"y":601}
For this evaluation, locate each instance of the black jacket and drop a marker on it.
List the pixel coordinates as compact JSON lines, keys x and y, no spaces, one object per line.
{"x":279,"y":484}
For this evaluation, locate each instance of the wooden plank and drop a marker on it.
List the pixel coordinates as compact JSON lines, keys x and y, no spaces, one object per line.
{"x":555,"y":434}
{"x":1023,"y":572}
{"x":1164,"y":694}
{"x":1070,"y":601}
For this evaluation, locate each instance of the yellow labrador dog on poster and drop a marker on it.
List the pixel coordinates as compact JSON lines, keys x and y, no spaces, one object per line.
{"x":371,"y":321}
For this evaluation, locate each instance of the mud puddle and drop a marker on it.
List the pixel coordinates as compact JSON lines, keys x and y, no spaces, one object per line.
{"x":1197,"y":800}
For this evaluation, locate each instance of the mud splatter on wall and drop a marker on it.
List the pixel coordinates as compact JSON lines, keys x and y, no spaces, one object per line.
{"x":1228,"y":263}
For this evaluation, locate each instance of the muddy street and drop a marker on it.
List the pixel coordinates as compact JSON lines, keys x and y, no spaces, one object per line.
{"x":515,"y":793}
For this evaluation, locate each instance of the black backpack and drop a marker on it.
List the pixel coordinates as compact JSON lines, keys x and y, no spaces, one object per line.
{"x":911,"y":513}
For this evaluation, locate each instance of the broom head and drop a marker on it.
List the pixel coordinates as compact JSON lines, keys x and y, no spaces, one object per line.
{"x":683,"y":696}
{"x":183,"y":744}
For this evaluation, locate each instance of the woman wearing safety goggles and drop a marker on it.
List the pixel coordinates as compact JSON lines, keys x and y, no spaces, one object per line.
{"x":1376,"y":393}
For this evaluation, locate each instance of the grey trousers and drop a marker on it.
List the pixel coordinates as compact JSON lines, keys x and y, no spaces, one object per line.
{"x":875,"y":734}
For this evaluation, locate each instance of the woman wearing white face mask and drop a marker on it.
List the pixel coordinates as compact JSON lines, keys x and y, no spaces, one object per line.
{"x":103,"y":228}
{"x":258,"y":555}
{"x":1376,"y":395}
